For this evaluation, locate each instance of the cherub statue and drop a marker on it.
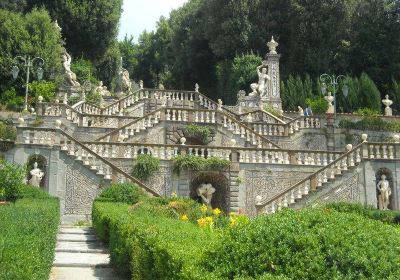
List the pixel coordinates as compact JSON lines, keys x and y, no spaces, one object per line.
{"x":206,"y":191}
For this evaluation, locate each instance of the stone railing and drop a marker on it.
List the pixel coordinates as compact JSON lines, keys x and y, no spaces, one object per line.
{"x":74,"y":148}
{"x":82,"y":119}
{"x":316,"y":180}
{"x":190,"y":116}
{"x":235,"y":154}
{"x":381,"y":150}
{"x":260,"y":116}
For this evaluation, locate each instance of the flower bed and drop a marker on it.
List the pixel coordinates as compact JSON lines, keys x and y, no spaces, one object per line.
{"x":28,"y":232}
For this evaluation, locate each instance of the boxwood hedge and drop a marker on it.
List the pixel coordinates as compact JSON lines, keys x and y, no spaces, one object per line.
{"x":28,"y":232}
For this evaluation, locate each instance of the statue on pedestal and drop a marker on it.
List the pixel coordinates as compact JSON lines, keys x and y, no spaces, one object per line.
{"x":206,"y":191}
{"x":384,"y":193}
{"x":125,"y":80}
{"x":263,"y":78}
{"x":102,"y":90}
{"x":70,"y":77}
{"x":37,"y":176}
{"x":300,"y":110}
{"x":387,"y":102}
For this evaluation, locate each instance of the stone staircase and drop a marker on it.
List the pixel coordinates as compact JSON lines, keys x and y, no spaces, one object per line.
{"x":80,"y":255}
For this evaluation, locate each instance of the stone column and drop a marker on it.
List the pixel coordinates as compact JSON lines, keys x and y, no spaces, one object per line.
{"x":273,"y":97}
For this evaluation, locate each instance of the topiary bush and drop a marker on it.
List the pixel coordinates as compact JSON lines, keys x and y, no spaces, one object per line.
{"x":12,"y":179}
{"x":124,"y":193}
{"x":202,"y":133}
{"x":145,"y":166}
{"x":308,"y":244}
{"x":318,"y":105}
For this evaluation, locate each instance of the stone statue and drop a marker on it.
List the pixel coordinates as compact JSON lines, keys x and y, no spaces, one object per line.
{"x":263,"y":77}
{"x":126,"y":82}
{"x":206,"y":191}
{"x":37,"y":176}
{"x":102,"y":90}
{"x":254,"y":91}
{"x":70,"y":77}
{"x":300,"y":110}
{"x":384,"y":193}
{"x":241,"y":94}
{"x":196,"y":87}
{"x":272,"y":45}
{"x":141,"y":84}
{"x":219,"y":105}
{"x":57,"y":27}
{"x":387,"y":102}
{"x":330,"y":99}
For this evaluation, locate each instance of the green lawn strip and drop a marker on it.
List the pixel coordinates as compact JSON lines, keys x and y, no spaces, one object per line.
{"x":28,"y":232}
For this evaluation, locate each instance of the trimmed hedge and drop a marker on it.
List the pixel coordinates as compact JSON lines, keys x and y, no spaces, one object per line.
{"x":28,"y":232}
{"x":122,"y":192}
{"x":146,"y":244}
{"x":309,"y":244}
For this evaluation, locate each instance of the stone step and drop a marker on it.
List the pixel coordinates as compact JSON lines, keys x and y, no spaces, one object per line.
{"x":76,"y":230}
{"x":80,"y":247}
{"x":79,"y":273}
{"x":77,"y":237}
{"x":68,"y":259}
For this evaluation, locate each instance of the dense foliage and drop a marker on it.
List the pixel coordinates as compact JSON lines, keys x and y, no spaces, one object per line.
{"x":196,"y":163}
{"x":313,"y":244}
{"x":201,"y":133}
{"x":11,"y":181}
{"x":7,"y":130}
{"x":371,"y":123}
{"x":145,"y":166}
{"x":28,"y":236}
{"x":175,"y":238}
{"x":124,"y":193}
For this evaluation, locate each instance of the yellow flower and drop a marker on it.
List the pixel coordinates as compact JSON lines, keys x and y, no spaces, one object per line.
{"x":232,"y":221}
{"x":233,"y":214}
{"x":184,"y":218}
{"x":202,"y":222}
{"x":209,"y":220}
{"x":174,"y":194}
{"x":217,"y":212}
{"x":203,"y":208}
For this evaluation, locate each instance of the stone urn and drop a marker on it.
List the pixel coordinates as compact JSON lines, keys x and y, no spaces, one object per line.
{"x":387,"y":102}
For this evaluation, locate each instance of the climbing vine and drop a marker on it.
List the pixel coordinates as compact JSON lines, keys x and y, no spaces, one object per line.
{"x":145,"y":166}
{"x":195,"y":163}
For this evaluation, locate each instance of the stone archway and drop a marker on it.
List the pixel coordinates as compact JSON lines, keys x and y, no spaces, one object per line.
{"x":219,"y":181}
{"x":42,"y":165}
{"x":389,"y":177}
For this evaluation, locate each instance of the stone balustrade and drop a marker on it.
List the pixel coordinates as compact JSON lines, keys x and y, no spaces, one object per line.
{"x":381,"y":150}
{"x":261,"y":117}
{"x":89,"y":156}
{"x":328,"y":173}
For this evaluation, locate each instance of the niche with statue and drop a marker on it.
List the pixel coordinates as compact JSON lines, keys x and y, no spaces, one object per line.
{"x":211,"y":188}
{"x":36,"y":167}
{"x":384,"y":189}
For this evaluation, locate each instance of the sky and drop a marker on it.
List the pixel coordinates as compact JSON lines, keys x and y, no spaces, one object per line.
{"x":140,"y":15}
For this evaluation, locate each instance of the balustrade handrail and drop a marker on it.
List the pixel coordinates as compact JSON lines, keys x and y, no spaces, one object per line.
{"x":84,"y":147}
{"x":129,"y":124}
{"x":305,"y":117}
{"x":274,"y":198}
{"x":237,"y":148}
{"x":264,"y":112}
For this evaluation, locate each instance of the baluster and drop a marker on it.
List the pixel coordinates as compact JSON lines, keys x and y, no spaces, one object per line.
{"x":212,"y":117}
{"x":292,"y":197}
{"x":391,"y":154}
{"x":306,"y":187}
{"x":351,"y":159}
{"x":371,"y":151}
{"x":207,"y":117}
{"x":378,"y":154}
{"x":358,"y":155}
{"x":384,"y":151}
{"x":273,"y":207}
{"x":168,"y":115}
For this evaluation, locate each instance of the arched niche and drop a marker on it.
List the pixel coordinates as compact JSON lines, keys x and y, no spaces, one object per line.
{"x":389,"y":178}
{"x":218,"y":180}
{"x":42,"y":165}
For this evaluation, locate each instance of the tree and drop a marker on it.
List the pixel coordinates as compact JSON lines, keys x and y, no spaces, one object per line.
{"x":32,"y":34}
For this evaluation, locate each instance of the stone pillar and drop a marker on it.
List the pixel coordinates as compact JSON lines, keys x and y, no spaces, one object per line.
{"x":273,"y":97}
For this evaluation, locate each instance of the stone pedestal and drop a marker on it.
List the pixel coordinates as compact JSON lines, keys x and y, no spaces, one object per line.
{"x":71,"y":91}
{"x":273,"y":94}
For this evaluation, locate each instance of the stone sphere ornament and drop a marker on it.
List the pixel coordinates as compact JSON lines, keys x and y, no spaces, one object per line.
{"x":258,"y":199}
{"x":21,"y":121}
{"x":364,"y":137}
{"x":58,"y":123}
{"x":396,"y":138}
{"x":349,"y":147}
{"x":233,"y":142}
{"x":183,"y":141}
{"x":40,"y":99}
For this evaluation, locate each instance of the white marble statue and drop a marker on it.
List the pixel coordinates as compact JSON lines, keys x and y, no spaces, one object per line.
{"x":126,"y":82}
{"x":384,"y":193}
{"x":263,"y":78}
{"x":219,"y":105}
{"x":206,"y":191}
{"x":70,"y":77}
{"x":254,"y":87}
{"x":387,"y":102}
{"x":196,"y":87}
{"x":330,"y":99}
{"x":102,"y":90}
{"x":37,"y":176}
{"x":141,"y":84}
{"x":300,"y":110}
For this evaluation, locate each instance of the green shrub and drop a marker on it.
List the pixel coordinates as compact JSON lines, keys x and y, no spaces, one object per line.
{"x":11,"y":180}
{"x":318,"y":105}
{"x":202,"y":133}
{"x":144,"y":245}
{"x":10,"y":99}
{"x":33,"y":192}
{"x":7,"y":131}
{"x":195,"y":163}
{"x":124,"y":193}
{"x":309,"y":244}
{"x":145,"y":166}
{"x":371,"y":123}
{"x":46,"y":89}
{"x":27,"y":238}
{"x":367,"y":112}
{"x":268,"y":108}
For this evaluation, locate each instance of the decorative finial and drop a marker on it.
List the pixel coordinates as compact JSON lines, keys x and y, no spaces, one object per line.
{"x":272,"y":45}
